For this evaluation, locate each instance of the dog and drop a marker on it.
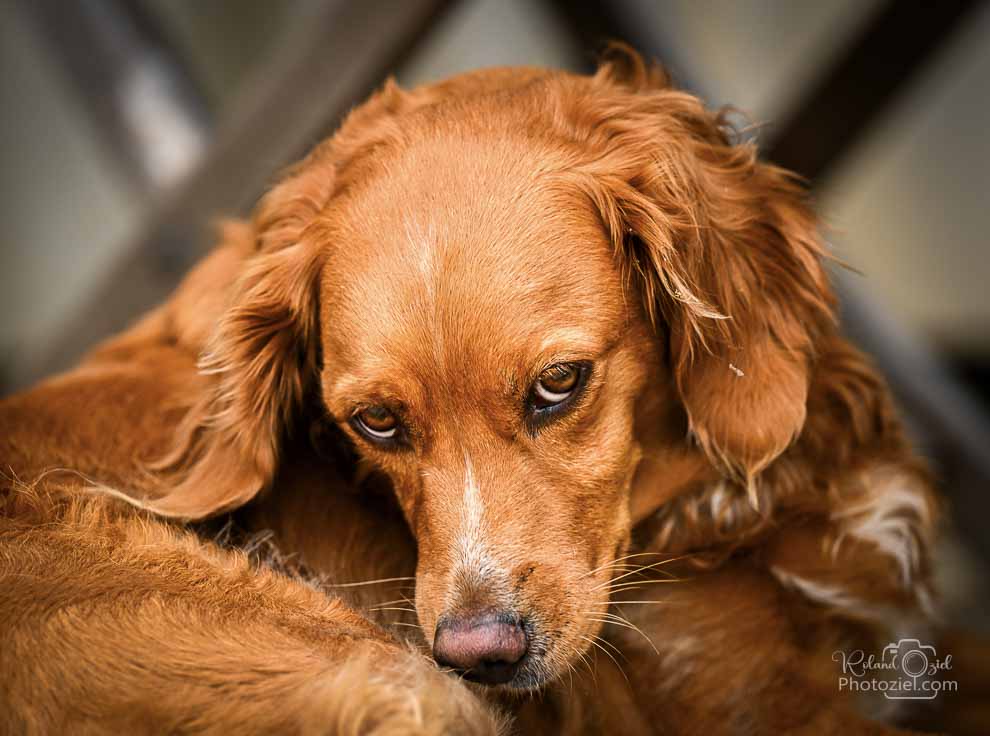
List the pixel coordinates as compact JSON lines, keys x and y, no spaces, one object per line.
{"x":559,"y":352}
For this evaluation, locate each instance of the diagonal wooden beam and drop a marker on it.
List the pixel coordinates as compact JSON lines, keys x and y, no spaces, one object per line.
{"x":883,"y":59}
{"x":337,"y":53}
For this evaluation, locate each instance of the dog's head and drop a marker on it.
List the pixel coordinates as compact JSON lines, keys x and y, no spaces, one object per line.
{"x":508,"y":290}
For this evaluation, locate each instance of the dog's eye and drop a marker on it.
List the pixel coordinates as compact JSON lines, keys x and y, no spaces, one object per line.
{"x":376,"y":423}
{"x":554,"y":390}
{"x":555,"y":384}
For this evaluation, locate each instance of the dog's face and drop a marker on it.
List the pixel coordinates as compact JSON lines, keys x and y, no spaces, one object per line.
{"x":508,"y":289}
{"x":481,"y":350}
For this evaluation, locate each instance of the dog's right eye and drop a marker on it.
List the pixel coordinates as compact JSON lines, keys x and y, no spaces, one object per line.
{"x":555,"y":385}
{"x":555,"y":390}
{"x":376,"y":423}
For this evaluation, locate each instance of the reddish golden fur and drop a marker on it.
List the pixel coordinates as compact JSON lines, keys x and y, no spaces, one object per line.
{"x":441,"y":248}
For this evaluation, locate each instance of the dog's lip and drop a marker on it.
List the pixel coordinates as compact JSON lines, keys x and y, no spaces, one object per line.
{"x":527,"y":678}
{"x":520,"y":668}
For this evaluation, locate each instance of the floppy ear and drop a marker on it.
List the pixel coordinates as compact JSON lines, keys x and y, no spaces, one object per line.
{"x":726,"y":255}
{"x":260,"y":361}
{"x":262,"y":357}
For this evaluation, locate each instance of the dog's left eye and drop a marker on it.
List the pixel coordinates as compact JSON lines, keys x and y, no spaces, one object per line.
{"x":555,"y":384}
{"x":556,"y":387}
{"x":377,"y":423}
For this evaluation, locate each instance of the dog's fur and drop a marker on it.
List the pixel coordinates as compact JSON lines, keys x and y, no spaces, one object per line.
{"x":733,"y":460}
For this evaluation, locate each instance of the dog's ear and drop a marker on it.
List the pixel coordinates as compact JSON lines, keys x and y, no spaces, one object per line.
{"x":726,"y":254}
{"x":260,"y":362}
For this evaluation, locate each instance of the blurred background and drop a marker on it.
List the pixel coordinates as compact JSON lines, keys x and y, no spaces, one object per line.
{"x":128,"y":126}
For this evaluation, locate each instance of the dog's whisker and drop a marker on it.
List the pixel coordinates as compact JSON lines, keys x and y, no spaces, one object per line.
{"x":634,"y":567}
{"x":642,"y":569}
{"x":587,"y":663}
{"x":611,"y":618}
{"x":612,"y":646}
{"x":625,"y":623}
{"x":626,"y":557}
{"x":607,"y":654}
{"x":570,"y":679}
{"x":391,"y":603}
{"x":618,"y":583}
{"x":624,"y":587}
{"x":645,"y":572}
{"x":654,"y":581}
{"x":370,"y":582}
{"x":393,"y":608}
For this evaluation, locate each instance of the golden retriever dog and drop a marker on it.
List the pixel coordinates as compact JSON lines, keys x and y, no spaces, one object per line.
{"x":532,"y":382}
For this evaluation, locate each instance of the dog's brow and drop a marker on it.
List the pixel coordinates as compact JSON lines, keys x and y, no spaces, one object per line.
{"x":568,"y":338}
{"x":344,"y":390}
{"x":342,"y":386}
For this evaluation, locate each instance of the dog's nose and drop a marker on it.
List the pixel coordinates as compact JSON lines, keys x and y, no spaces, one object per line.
{"x":484,"y":647}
